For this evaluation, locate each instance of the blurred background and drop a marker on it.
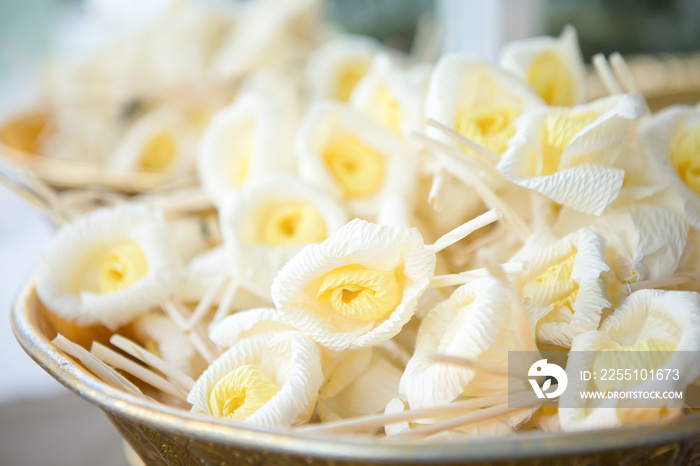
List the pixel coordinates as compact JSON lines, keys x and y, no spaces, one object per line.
{"x":32,"y":405}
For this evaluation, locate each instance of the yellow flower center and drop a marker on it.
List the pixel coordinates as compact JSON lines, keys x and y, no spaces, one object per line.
{"x":348,"y":77}
{"x":559,"y":131}
{"x":685,"y":157}
{"x":552,"y":80}
{"x":358,"y":168}
{"x":121,"y":266}
{"x":554,"y":288}
{"x":291,"y":223}
{"x":388,"y":109}
{"x":158,"y":152}
{"x":360,"y":293}
{"x":241,"y":392}
{"x":490,"y":127}
{"x":23,"y":133}
{"x":646,"y":355}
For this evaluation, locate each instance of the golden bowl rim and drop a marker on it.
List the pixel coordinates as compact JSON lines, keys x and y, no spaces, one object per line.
{"x":204,"y":429}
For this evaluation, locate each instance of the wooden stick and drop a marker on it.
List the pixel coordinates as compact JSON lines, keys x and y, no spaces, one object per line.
{"x":521,"y":321}
{"x":435,"y":195}
{"x":460,"y":139}
{"x":606,"y":75}
{"x":439,"y":281}
{"x":120,"y":362}
{"x":226,"y":302}
{"x":455,"y":153}
{"x":205,"y":303}
{"x":465,"y":230}
{"x":473,"y":364}
{"x":663,"y":282}
{"x":459,"y":258}
{"x":145,"y":356}
{"x":196,"y":334}
{"x":32,"y":198}
{"x":45,"y":191}
{"x":623,"y":73}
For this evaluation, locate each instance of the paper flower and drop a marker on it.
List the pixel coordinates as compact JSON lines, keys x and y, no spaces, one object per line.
{"x":672,"y":137}
{"x":392,"y":95}
{"x":478,"y":100}
{"x":568,"y":154}
{"x":244,"y":141}
{"x":270,"y":380}
{"x":337,"y":66}
{"x":268,"y":221}
{"x":552,"y":66}
{"x":653,"y":329}
{"x":474,"y":323}
{"x":563,"y":288}
{"x":109,"y":266}
{"x":159,"y":335}
{"x":362,"y":383}
{"x":348,"y":155}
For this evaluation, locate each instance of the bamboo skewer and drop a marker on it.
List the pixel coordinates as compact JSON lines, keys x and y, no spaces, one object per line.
{"x":663,"y":282}
{"x":435,"y":195}
{"x":205,"y":303}
{"x":226,"y":302}
{"x":439,"y":281}
{"x":31,"y":198}
{"x":120,"y":362}
{"x":472,"y":364}
{"x":459,"y":258}
{"x":46,"y":192}
{"x":606,"y":75}
{"x":462,"y":140}
{"x":196,"y":334}
{"x":464,"y":230}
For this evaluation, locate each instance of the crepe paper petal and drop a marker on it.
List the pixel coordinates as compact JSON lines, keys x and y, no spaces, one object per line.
{"x":363,"y":383}
{"x":393,"y":96}
{"x":568,"y":154}
{"x":644,"y":241}
{"x":268,"y":221}
{"x":161,"y":336}
{"x":552,"y":66}
{"x":109,"y":266}
{"x":356,"y":289}
{"x":474,"y":323}
{"x":648,"y":322}
{"x":286,"y":368}
{"x":671,"y":136}
{"x":246,"y":140}
{"x":335,"y":68}
{"x":476,"y":99}
{"x":345,"y":153}
{"x":563,"y":286}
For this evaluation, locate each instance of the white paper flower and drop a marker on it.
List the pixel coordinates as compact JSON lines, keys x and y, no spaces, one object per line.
{"x":159,"y":334}
{"x":552,"y":66}
{"x":363,"y":383}
{"x":563,"y":288}
{"x":268,"y":221}
{"x":672,"y":137}
{"x":568,"y":154}
{"x":337,"y":66}
{"x":474,"y":323}
{"x":478,"y":100}
{"x":348,"y":155}
{"x":109,"y":266}
{"x":653,"y":329}
{"x":392,"y":95}
{"x":244,"y":141}
{"x":270,"y":380}
{"x":356,"y":289}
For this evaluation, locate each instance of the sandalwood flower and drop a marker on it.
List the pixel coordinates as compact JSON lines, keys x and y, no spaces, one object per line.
{"x":552,"y":66}
{"x":270,"y":379}
{"x":653,"y":329}
{"x":568,"y":154}
{"x":109,"y":266}
{"x":247,"y":139}
{"x":563,"y":289}
{"x":268,"y":221}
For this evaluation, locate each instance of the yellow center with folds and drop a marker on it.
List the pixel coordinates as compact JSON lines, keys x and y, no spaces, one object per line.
{"x":490,"y":127}
{"x":291,"y":223}
{"x":24,"y":133}
{"x":552,"y":80}
{"x":554,"y":288}
{"x":158,"y":152}
{"x":348,"y":77}
{"x":649,"y":354}
{"x":121,"y":266}
{"x":358,"y":168}
{"x":559,"y":130}
{"x":685,"y":157}
{"x":241,"y":392}
{"x":360,"y":293}
{"x":387,"y":109}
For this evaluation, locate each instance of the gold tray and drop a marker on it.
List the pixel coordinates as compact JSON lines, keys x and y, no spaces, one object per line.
{"x":165,"y":435}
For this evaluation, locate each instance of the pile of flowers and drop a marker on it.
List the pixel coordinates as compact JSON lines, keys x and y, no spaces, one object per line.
{"x":386,"y":231}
